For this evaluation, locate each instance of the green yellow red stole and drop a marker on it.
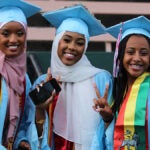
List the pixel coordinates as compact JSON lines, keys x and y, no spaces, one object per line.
{"x":130,"y":129}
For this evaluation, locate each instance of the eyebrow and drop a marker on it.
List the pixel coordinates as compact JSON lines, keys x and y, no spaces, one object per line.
{"x":79,"y":38}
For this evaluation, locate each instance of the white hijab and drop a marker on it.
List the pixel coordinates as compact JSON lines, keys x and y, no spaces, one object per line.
{"x":82,"y":70}
{"x":74,"y":118}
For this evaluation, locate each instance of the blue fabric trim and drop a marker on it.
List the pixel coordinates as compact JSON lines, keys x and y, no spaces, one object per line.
{"x":149,"y":119}
{"x":2,"y":147}
{"x":44,"y":144}
{"x":3,"y":107}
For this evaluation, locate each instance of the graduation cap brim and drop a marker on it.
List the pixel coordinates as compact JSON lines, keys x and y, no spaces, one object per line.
{"x":132,"y":25}
{"x":27,"y":8}
{"x":55,"y":18}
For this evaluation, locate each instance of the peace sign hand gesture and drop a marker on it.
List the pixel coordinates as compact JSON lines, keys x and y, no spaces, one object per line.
{"x":101,"y":105}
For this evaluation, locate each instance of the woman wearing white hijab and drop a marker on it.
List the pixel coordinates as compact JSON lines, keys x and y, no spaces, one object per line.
{"x":73,"y":121}
{"x":15,"y":84}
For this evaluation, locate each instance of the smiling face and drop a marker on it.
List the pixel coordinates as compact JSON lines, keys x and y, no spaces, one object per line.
{"x":71,"y":48}
{"x":137,"y":56}
{"x":12,"y":39}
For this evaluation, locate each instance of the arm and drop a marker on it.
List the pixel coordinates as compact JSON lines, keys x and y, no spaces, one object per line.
{"x":104,"y":134}
{"x":103,"y":138}
{"x":27,"y":123}
{"x":2,"y":147}
{"x":41,"y":120}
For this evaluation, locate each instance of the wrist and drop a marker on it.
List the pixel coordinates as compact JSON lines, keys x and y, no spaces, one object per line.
{"x":40,"y":116}
{"x":40,"y":121}
{"x":108,"y":119}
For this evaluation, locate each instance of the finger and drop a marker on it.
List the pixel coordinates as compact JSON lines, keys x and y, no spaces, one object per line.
{"x":48,"y":101}
{"x":41,"y":84}
{"x":97,"y":109}
{"x":58,"y":78}
{"x":50,"y":98}
{"x":49,"y":75}
{"x":37,"y":87}
{"x":96,"y":90}
{"x":25,"y":145}
{"x":96,"y":104}
{"x":54,"y":93}
{"x":106,"y":92}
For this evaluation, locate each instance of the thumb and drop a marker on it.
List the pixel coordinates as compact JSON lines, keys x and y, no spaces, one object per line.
{"x":49,"y":75}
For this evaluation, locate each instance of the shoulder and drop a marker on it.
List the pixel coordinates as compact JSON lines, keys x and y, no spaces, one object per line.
{"x":103,"y":74}
{"x":39,"y":80}
{"x":27,"y":79}
{"x":27,"y":83}
{"x":102,"y":78}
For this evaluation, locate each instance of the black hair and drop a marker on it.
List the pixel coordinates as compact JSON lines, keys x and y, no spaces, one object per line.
{"x":120,"y":83}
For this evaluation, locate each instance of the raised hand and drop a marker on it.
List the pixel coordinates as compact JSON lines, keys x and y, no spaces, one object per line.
{"x":24,"y":146}
{"x":101,"y":105}
{"x":45,"y":104}
{"x":49,"y":75}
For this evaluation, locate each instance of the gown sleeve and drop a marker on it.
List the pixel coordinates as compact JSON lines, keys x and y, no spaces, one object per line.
{"x":103,"y":138}
{"x":27,"y":129}
{"x":149,"y":118}
{"x":42,"y":141}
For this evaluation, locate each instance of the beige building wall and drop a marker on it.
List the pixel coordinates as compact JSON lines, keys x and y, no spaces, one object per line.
{"x":102,"y":9}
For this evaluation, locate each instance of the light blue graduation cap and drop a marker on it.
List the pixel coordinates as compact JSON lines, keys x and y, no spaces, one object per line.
{"x":76,"y":19}
{"x":138,"y":25}
{"x":16,"y":10}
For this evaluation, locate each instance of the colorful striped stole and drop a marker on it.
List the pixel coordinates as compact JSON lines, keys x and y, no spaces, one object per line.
{"x":130,"y":125}
{"x":59,"y":142}
{"x":50,"y":116}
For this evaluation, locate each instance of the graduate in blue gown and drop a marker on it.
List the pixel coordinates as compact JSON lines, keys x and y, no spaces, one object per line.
{"x":15,"y":105}
{"x":72,"y":121}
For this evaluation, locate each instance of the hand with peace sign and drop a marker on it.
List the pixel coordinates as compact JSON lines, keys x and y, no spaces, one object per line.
{"x":101,"y":105}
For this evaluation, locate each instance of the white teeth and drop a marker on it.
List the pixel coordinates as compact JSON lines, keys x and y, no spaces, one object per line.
{"x":69,"y":54}
{"x":13,"y":47}
{"x":136,"y":66}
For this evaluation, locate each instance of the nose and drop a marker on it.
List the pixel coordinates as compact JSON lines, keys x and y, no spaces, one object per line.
{"x":136,"y":56}
{"x":72,"y":46}
{"x":13,"y":38}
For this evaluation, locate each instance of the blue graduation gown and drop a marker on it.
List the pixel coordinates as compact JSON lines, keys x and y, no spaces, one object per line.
{"x":100,"y":79}
{"x":27,"y":121}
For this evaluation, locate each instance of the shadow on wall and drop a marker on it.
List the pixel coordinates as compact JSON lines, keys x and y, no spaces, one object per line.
{"x":38,"y":62}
